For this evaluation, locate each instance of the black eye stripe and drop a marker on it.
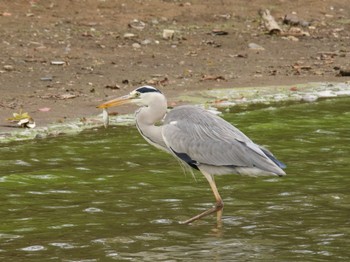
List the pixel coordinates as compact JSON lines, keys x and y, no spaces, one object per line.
{"x":147,"y":89}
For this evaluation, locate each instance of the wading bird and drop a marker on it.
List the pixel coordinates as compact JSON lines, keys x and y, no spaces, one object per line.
{"x":200,"y":139}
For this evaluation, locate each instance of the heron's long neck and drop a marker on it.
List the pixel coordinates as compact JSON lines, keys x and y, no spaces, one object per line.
{"x":146,"y":117}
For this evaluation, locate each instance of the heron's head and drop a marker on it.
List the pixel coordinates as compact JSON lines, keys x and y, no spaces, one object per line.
{"x":142,"y":96}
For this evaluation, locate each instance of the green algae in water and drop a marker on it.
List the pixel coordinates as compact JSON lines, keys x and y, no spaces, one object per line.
{"x":107,"y":195}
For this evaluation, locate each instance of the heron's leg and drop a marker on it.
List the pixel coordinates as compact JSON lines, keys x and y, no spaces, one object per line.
{"x":216,"y":208}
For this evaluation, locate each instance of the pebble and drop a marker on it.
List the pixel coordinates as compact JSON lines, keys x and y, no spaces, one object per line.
{"x":137,"y":24}
{"x":8,"y":67}
{"x":291,"y":38}
{"x":46,"y":78}
{"x":146,"y":42}
{"x":136,"y":45}
{"x":57,"y":62}
{"x":168,"y":34}
{"x":129,"y":35}
{"x":254,"y":46}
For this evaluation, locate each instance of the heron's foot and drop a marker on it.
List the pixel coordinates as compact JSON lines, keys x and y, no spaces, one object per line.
{"x":217,"y":208}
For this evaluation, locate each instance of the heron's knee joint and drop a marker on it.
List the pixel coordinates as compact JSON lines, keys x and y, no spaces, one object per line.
{"x":219,"y":204}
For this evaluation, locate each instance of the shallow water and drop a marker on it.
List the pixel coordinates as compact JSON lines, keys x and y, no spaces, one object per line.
{"x":107,"y":195}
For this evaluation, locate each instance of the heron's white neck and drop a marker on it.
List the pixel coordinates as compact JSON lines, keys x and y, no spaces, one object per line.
{"x":148,"y":116}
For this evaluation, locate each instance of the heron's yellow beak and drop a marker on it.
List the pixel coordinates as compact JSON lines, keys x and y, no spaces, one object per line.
{"x":117,"y":101}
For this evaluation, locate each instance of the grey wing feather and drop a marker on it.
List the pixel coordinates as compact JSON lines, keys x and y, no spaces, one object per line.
{"x":210,"y":140}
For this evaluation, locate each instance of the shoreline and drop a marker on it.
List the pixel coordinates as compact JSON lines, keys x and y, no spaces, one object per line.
{"x":212,"y":99}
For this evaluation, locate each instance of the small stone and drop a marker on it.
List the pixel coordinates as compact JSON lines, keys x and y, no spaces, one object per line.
{"x":146,"y":42}
{"x":57,"y":62}
{"x":155,"y":21}
{"x":136,"y":45}
{"x":291,"y":19}
{"x":168,"y":34}
{"x":129,"y":35}
{"x":137,"y":24}
{"x":291,"y":38}
{"x":46,"y":78}
{"x":344,"y":72}
{"x":257,"y":47}
{"x":219,"y":32}
{"x":8,"y":67}
{"x":26,"y":123}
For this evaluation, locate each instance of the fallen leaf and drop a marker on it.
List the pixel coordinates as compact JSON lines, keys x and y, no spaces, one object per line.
{"x":19,"y":116}
{"x":22,"y":119}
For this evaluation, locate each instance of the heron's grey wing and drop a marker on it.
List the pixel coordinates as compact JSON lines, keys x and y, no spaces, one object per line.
{"x":207,"y":139}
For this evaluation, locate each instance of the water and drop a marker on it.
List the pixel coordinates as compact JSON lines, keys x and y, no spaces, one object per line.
{"x":107,"y":195}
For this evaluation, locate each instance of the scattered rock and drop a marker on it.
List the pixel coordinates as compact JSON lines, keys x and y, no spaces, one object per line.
{"x":157,"y":81}
{"x":219,"y":32}
{"x":211,"y":43}
{"x":114,"y":87}
{"x":298,"y":68}
{"x":136,"y":45}
{"x":46,"y":78}
{"x":57,"y":62}
{"x":23,"y":120}
{"x":137,"y":24}
{"x":129,"y":35}
{"x":294,"y":20}
{"x":296,"y":31}
{"x":8,"y":67}
{"x":212,"y":77}
{"x":168,"y":34}
{"x":291,"y":38}
{"x":27,"y":123}
{"x":239,"y":56}
{"x":6,"y":14}
{"x":146,"y":42}
{"x":344,"y":72}
{"x":256,"y":47}
{"x":154,"y":21}
{"x":68,"y":96}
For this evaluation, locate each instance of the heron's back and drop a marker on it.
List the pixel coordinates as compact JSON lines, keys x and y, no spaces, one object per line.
{"x":211,"y":143}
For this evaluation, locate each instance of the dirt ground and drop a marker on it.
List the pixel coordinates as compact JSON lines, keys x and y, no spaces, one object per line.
{"x":60,"y":58}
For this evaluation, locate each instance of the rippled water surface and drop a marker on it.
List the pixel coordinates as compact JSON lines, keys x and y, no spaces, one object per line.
{"x":107,"y":195}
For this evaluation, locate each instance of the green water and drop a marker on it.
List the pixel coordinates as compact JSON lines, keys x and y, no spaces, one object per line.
{"x":107,"y":195}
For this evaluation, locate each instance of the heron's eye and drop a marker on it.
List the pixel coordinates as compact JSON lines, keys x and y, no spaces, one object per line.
{"x":137,"y":94}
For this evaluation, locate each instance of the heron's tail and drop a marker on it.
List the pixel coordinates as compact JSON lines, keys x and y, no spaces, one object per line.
{"x":273,"y":158}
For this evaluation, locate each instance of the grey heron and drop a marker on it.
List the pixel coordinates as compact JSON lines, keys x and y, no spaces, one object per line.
{"x":198,"y":138}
